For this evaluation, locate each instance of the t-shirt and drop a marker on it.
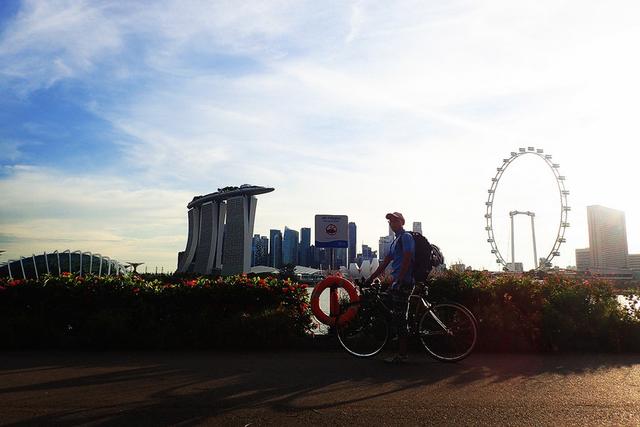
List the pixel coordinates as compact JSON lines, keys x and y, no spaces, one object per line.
{"x":397,"y":251}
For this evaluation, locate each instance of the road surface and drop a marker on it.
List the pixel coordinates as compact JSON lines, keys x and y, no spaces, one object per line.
{"x":316,"y":388}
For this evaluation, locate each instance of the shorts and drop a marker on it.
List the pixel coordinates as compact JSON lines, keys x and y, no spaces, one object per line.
{"x":399,"y":297}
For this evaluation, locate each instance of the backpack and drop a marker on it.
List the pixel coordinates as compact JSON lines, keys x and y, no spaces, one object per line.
{"x":427,"y":256}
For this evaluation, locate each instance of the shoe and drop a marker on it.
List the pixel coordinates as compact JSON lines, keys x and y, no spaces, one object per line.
{"x":397,"y":359}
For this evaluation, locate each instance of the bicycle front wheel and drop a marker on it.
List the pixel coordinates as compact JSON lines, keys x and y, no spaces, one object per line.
{"x":448,"y":332}
{"x":366,"y":334}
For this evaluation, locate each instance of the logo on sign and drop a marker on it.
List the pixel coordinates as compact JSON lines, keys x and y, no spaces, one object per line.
{"x":331,"y":229}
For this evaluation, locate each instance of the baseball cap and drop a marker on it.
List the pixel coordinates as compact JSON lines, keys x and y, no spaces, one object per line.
{"x":395,"y":215}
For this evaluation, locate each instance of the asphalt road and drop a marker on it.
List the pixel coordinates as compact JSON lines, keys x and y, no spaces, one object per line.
{"x":316,"y":388}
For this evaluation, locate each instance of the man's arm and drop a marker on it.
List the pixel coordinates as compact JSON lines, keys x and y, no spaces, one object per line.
{"x":379,"y":270}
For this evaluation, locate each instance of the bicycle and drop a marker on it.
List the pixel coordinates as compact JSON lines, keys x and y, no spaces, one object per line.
{"x":448,"y":330}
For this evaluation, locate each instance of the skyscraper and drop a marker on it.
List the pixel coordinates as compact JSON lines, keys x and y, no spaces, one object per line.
{"x":384,"y":245}
{"x":583,"y":259}
{"x":259,"y":250}
{"x":275,"y":248}
{"x":367,"y":253}
{"x":255,"y":247}
{"x":304,"y":248}
{"x":220,"y":231}
{"x":607,"y":237}
{"x":417,"y":227}
{"x":352,"y":242}
{"x":341,"y":257}
{"x":264,"y":250}
{"x":290,"y":246}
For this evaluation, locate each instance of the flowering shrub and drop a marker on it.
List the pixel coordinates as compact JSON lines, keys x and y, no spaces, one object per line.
{"x":132,"y":312}
{"x":555,"y":313}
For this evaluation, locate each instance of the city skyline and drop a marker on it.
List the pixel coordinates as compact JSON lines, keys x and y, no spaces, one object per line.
{"x":113,"y":115}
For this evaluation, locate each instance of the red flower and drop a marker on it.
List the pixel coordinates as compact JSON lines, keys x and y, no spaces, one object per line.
{"x":190,"y":283}
{"x":136,"y":290}
{"x":14,"y":282}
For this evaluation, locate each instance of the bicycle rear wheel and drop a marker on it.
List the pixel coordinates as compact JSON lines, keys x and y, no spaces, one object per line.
{"x":366,"y":334}
{"x":448,"y":332}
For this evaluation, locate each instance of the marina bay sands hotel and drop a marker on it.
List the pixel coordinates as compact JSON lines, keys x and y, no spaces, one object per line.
{"x":221,"y":222}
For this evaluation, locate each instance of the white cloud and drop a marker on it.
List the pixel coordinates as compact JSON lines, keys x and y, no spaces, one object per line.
{"x":356,"y":108}
{"x":45,"y":210}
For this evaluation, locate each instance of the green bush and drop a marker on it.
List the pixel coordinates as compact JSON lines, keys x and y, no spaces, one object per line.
{"x":555,"y":313}
{"x":118,"y":312}
{"x":514,"y":312}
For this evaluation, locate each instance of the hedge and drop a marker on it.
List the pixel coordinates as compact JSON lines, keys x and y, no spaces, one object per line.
{"x":117,"y":312}
{"x":515,"y":313}
{"x":554,"y":313}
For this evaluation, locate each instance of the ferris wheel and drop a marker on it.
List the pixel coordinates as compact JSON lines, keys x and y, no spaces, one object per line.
{"x":564,"y":208}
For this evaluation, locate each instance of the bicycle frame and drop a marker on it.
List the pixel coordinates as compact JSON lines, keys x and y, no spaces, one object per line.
{"x":440,"y":337}
{"x":426,"y":304}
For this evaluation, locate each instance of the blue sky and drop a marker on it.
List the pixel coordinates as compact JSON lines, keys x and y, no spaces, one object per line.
{"x":114,"y":115}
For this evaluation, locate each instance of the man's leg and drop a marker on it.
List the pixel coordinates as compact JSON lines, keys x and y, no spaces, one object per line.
{"x":399,"y":299}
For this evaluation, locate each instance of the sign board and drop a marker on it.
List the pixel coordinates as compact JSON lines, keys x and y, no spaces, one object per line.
{"x":332,"y":231}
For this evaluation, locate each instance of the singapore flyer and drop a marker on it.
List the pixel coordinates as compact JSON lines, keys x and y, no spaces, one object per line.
{"x":559,"y":224}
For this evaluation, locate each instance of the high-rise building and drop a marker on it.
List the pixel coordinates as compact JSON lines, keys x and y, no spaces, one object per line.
{"x":305,"y":245}
{"x":259,"y":250}
{"x":518,"y":267}
{"x":367,"y":253}
{"x":352,"y":242}
{"x":417,"y":227}
{"x":255,"y":247}
{"x":313,"y":256}
{"x":583,"y":259}
{"x":633,"y":262}
{"x":322,"y":258}
{"x":607,"y":237}
{"x":275,"y":249}
{"x":341,"y":257}
{"x":264,"y":250}
{"x":384,"y":245}
{"x":290,"y":242}
{"x":212,"y":243}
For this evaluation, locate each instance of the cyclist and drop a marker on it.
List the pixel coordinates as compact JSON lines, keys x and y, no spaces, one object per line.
{"x":401,"y":257}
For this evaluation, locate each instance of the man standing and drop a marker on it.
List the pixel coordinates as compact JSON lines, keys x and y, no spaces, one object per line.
{"x":401,"y":257}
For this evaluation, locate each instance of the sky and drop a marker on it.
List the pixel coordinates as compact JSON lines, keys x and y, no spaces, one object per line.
{"x":114,"y":114}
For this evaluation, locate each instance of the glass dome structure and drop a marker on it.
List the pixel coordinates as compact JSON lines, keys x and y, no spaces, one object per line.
{"x":56,"y":263}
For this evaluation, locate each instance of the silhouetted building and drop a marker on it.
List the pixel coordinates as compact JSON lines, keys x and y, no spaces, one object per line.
{"x":341,"y":257}
{"x":352,"y":241}
{"x":265,"y":251}
{"x":260,"y":251}
{"x":583,"y":259}
{"x":384,"y":245}
{"x":633,"y":262}
{"x":275,"y":249}
{"x":417,"y":227}
{"x":607,"y":237}
{"x":518,"y":267}
{"x":367,"y":253}
{"x":290,"y":242}
{"x":210,"y":235}
{"x":305,"y":245}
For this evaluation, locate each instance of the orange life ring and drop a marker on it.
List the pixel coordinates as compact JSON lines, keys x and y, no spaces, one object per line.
{"x":334,"y":318}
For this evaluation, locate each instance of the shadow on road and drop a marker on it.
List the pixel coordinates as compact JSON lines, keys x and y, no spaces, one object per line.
{"x":188,"y":388}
